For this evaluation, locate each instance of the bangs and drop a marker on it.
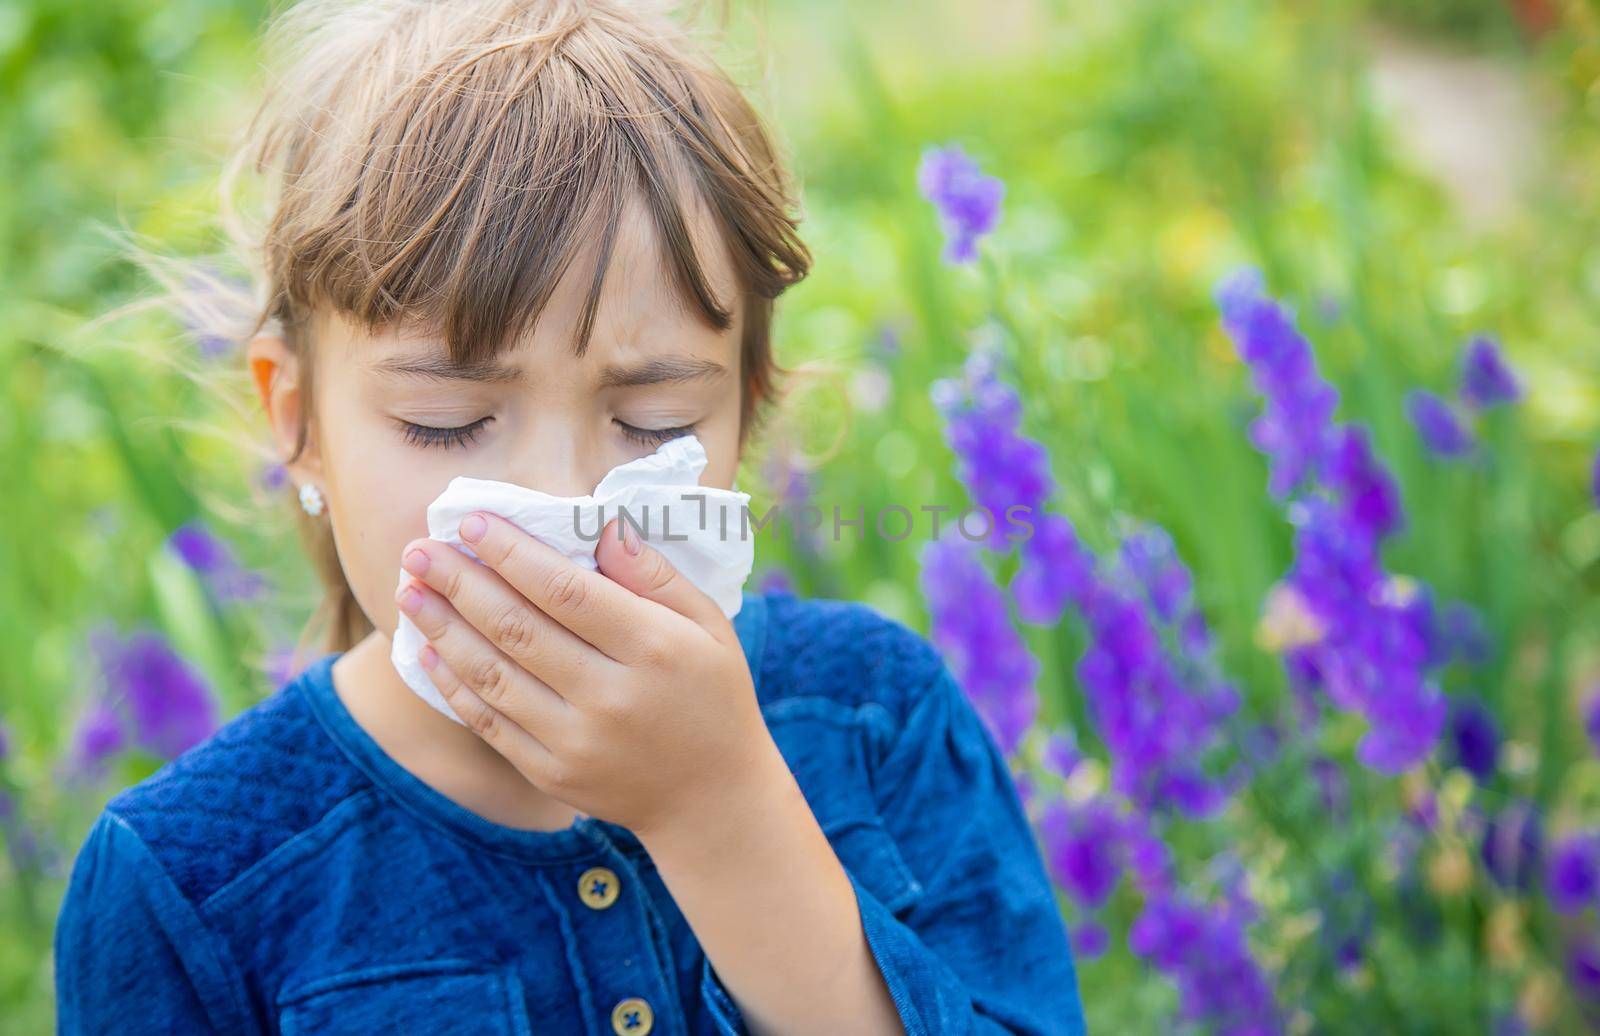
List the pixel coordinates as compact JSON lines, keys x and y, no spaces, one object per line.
{"x":454,"y":195}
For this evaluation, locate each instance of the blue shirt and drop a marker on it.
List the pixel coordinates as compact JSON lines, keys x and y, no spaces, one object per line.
{"x":287,"y":876}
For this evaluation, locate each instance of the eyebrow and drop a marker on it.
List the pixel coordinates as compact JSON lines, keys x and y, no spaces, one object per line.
{"x":441,"y":368}
{"x":659,"y":370}
{"x":651,"y":372}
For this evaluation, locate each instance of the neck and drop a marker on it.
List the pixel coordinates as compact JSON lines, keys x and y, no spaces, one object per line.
{"x":435,"y":749}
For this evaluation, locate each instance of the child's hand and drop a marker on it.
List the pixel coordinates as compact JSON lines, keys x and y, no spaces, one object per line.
{"x":624,"y":694}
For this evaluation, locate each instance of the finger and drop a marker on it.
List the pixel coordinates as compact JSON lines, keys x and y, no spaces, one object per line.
{"x":523,"y":750}
{"x":503,"y":684}
{"x":627,"y":559}
{"x":587,"y":603}
{"x":508,"y":620}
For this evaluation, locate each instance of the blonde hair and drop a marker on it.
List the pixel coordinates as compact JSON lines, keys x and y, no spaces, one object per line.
{"x":439,"y":164}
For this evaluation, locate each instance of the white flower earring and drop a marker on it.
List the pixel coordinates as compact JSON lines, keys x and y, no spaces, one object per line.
{"x":311,"y":500}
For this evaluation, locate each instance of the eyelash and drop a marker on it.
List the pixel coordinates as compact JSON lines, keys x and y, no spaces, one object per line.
{"x":428,"y":436}
{"x":652,"y":436}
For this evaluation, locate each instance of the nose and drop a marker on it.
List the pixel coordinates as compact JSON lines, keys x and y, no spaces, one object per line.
{"x":559,"y":465}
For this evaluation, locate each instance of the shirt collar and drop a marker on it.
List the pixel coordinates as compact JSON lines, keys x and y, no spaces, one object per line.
{"x":583,"y":837}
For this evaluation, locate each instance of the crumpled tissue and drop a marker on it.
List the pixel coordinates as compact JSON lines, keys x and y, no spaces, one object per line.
{"x":701,"y":530}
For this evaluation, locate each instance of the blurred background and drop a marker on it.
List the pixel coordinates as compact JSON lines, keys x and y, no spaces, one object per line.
{"x":1285,"y":311}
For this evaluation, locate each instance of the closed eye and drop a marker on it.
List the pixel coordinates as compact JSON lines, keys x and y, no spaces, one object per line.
{"x":652,"y":436}
{"x":428,"y":436}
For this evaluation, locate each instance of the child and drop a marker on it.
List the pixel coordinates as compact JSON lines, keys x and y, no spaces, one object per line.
{"x":529,"y":240}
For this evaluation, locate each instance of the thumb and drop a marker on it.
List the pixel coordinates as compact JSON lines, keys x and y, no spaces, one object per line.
{"x":624,"y":557}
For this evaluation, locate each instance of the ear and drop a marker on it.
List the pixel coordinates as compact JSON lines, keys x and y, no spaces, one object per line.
{"x":276,"y":372}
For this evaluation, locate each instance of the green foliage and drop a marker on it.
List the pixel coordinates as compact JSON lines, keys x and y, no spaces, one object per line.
{"x":1147,"y":148}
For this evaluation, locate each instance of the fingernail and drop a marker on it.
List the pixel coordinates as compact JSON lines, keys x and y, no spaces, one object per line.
{"x":473,"y":527}
{"x":428,"y":657}
{"x":410,"y":600}
{"x":415,"y":562}
{"x":630,"y":537}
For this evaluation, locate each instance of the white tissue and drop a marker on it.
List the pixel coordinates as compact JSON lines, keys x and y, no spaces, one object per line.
{"x":708,"y":540}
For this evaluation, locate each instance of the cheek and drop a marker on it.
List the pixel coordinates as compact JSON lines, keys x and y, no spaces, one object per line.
{"x":720,"y":436}
{"x":377,"y":502}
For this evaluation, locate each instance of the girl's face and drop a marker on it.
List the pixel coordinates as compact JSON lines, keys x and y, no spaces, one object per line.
{"x":395,"y":423}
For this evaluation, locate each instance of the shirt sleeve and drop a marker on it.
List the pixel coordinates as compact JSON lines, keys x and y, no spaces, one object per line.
{"x":131,"y":955}
{"x":984,"y":949}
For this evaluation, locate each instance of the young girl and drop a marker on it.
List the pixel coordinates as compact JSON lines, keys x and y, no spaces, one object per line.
{"x":530,"y":240}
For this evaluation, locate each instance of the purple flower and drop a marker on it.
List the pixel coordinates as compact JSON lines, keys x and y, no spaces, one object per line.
{"x":973,"y":630}
{"x":1203,"y":949}
{"x":1462,"y":635}
{"x":1295,"y":427}
{"x":1509,"y":1024}
{"x":1370,"y":497}
{"x":1151,"y":558}
{"x":99,"y":735}
{"x":1157,"y":700}
{"x":1441,"y":430}
{"x":1027,"y":789}
{"x":1056,"y":569}
{"x":30,"y":848}
{"x":199,"y":549}
{"x":1424,"y":811}
{"x":1583,"y":967}
{"x":1591,"y":719}
{"x":1513,"y":846}
{"x":1151,"y":679}
{"x":1061,"y":755}
{"x":1159,"y":711}
{"x":794,"y":486}
{"x":1008,"y":476}
{"x":1372,"y":640}
{"x":1081,"y":843}
{"x":1486,"y":381}
{"x":885,"y":345}
{"x":1347,"y":919}
{"x":211,"y":558}
{"x":968,"y":201}
{"x":164,"y":703}
{"x":1474,"y":739}
{"x":206,"y":301}
{"x":1262,"y":745}
{"x":1090,"y":940}
{"x":272,"y":475}
{"x":1149,"y":858}
{"x":1226,"y":872}
{"x":775,"y":580}
{"x":1001,"y":467}
{"x":1376,"y":646}
{"x":281,"y":667}
{"x":1572,"y":876}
